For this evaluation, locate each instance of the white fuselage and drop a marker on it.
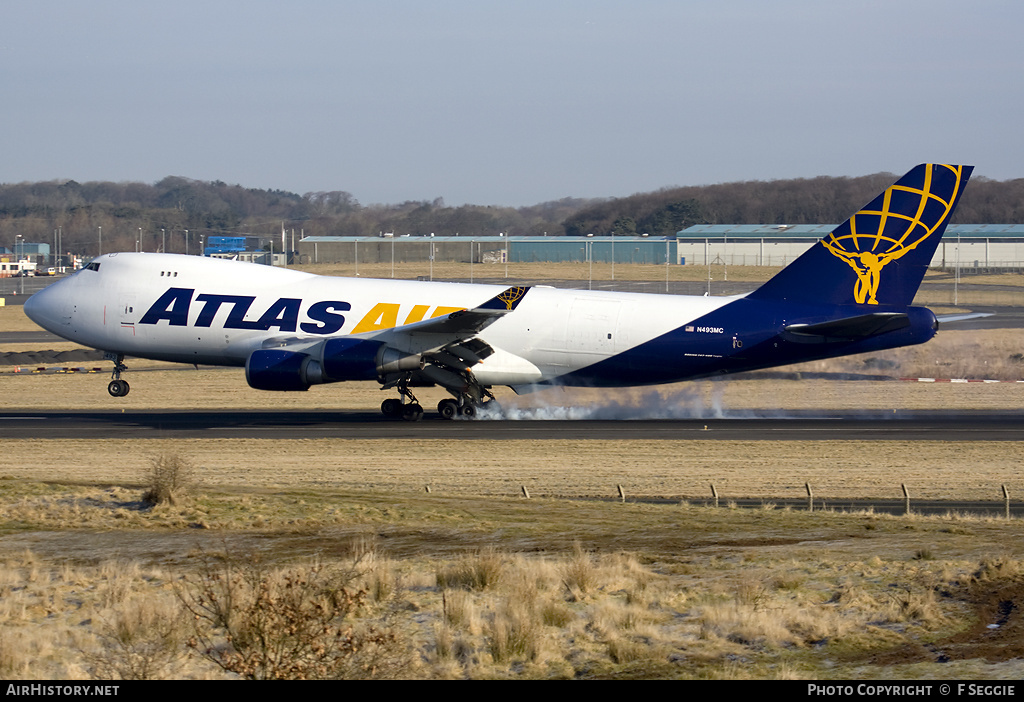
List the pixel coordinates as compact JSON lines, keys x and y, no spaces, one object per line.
{"x":191,"y":309}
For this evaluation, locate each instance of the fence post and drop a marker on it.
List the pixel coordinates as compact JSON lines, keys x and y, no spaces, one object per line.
{"x":810,"y":497}
{"x":714,"y":494}
{"x":906,"y":499}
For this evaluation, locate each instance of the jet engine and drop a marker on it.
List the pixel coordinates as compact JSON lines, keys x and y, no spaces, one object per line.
{"x":331,"y":361}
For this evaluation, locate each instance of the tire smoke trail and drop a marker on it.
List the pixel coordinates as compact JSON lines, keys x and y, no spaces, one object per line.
{"x":613,"y":404}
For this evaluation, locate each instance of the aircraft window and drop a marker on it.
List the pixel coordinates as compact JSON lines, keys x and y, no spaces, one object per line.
{"x":162,"y":274}
{"x":93,"y":266}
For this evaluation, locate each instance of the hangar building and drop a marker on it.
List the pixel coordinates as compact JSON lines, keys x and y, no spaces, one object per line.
{"x":978,"y":246}
{"x":981,"y":246}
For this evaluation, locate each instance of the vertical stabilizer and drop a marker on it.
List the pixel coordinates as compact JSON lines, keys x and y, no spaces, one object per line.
{"x":878,"y":256}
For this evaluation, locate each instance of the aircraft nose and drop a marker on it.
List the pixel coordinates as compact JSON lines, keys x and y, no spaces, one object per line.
{"x":44,"y":307}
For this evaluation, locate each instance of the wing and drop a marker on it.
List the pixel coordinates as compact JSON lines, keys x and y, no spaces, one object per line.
{"x":442,"y":351}
{"x":451,"y":338}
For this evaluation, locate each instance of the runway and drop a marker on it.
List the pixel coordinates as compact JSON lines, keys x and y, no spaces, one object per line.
{"x":930,"y":425}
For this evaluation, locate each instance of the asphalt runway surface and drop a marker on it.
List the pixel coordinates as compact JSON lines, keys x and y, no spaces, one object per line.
{"x":925,"y":425}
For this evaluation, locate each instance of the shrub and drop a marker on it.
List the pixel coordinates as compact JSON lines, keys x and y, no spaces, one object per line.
{"x":171,"y":478}
{"x":478,"y":572}
{"x":290,"y":623}
{"x":143,"y":641}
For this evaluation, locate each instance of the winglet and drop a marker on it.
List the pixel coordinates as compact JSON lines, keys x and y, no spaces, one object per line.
{"x":507,"y":300}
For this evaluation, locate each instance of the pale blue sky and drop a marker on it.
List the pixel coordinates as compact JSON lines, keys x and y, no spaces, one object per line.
{"x":508,"y":103}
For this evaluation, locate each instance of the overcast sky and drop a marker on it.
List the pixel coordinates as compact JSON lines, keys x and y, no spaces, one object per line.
{"x":509,"y":103}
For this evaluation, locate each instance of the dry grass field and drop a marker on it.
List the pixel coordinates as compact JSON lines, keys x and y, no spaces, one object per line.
{"x":290,"y":541}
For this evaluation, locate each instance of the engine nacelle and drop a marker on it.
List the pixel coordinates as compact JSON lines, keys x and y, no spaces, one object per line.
{"x":278,"y":369}
{"x":332,"y":361}
{"x":359,"y":359}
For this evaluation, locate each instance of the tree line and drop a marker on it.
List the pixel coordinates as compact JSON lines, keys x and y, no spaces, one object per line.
{"x":130,"y":215}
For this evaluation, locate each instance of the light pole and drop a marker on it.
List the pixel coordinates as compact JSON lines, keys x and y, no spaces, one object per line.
{"x":667,"y":247}
{"x":21,"y":271}
{"x":138,"y":242}
{"x":99,"y":246}
{"x":163,"y":247}
{"x":590,"y":258}
{"x":186,"y":242}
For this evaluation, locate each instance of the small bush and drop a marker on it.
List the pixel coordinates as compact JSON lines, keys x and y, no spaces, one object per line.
{"x":556,"y":614}
{"x":478,"y":572}
{"x":622,"y":650}
{"x":514,"y":633}
{"x":579,"y":572}
{"x":170,"y":479}
{"x":924,"y":554}
{"x":143,"y":641}
{"x":459,"y":610}
{"x":289,"y":623}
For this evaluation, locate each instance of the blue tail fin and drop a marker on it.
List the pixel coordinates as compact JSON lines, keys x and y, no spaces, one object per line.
{"x":880,"y":254}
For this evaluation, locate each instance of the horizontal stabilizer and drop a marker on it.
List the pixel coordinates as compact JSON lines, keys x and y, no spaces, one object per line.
{"x":947,"y":318}
{"x":850,"y":328}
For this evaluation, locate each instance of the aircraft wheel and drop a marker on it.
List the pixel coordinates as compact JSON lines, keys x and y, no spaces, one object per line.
{"x":448,"y":409}
{"x":412,"y":412}
{"x":469,"y":411}
{"x":391,"y":408}
{"x":118,"y":388}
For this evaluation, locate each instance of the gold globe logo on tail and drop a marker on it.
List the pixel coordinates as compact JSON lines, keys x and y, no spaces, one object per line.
{"x":876,"y":237}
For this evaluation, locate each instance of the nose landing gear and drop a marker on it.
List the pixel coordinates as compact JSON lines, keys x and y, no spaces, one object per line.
{"x":118,"y":387}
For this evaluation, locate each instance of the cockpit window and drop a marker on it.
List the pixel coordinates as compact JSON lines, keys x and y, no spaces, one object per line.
{"x":94,"y":266}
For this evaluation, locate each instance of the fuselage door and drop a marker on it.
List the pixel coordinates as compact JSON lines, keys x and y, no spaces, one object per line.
{"x":126,"y":313}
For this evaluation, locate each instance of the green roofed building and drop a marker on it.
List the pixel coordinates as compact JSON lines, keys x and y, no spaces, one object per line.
{"x":982,"y":246}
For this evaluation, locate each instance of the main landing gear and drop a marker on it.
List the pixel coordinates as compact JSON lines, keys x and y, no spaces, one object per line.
{"x":450,"y":409}
{"x":395,"y":408}
{"x":118,"y":387}
{"x":409,"y":408}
